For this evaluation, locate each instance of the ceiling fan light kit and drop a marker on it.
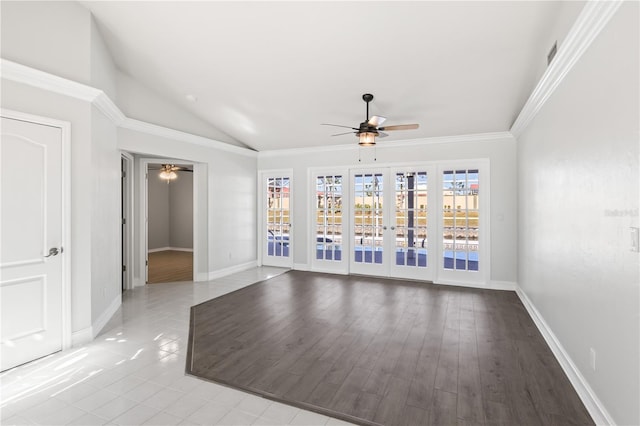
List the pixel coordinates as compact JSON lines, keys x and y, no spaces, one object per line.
{"x":367,"y":131}
{"x":167,"y":172}
{"x":366,"y":139}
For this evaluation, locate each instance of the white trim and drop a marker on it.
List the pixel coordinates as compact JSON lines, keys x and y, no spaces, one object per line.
{"x":388,"y":144}
{"x":590,"y":22}
{"x":232,"y":270}
{"x":43,"y":80}
{"x":46,"y":81}
{"x":155,"y":250}
{"x":589,"y":398}
{"x":106,"y":106}
{"x":165,"y":132}
{"x":502,"y":285}
{"x":65,"y":130}
{"x":128,"y":244}
{"x":80,"y":337}
{"x":306,"y":267}
{"x":105,"y":316}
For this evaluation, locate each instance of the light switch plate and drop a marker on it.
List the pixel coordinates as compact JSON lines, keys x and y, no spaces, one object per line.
{"x":635,"y":239}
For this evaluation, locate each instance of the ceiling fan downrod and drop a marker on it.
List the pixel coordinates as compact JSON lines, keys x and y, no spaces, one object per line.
{"x":367,"y":97}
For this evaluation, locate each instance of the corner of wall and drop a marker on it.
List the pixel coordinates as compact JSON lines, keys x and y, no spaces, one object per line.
{"x":588,"y":397}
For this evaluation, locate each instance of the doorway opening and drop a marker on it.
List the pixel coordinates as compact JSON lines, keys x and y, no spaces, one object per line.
{"x":170,"y":221}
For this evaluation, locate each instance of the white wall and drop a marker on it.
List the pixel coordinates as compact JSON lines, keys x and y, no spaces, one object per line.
{"x":500,"y":150}
{"x":170,"y":211}
{"x":225,"y":184}
{"x":181,"y":211}
{"x":578,"y":192}
{"x":158,"y":212}
{"x":106,"y":262}
{"x":103,"y":70}
{"x":51,"y":36}
{"x":137,"y":101}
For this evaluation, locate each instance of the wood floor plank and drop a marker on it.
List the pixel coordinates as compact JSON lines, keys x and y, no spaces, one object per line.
{"x":170,"y":266}
{"x":384,"y":352}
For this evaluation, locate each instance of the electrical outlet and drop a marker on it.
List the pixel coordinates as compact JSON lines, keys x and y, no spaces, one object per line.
{"x":593,"y":359}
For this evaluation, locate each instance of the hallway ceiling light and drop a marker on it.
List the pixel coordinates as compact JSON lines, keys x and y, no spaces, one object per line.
{"x":168,"y":172}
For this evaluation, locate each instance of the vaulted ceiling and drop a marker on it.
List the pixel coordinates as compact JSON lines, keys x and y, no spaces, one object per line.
{"x":269,"y":73}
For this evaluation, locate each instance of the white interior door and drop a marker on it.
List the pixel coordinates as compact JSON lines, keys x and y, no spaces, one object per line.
{"x":277,"y":230}
{"x":31,"y":289}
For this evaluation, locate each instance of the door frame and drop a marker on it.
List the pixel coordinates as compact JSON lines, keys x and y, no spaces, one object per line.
{"x":144,"y":213}
{"x":65,"y":279}
{"x":127,"y":245}
{"x":262,"y":175}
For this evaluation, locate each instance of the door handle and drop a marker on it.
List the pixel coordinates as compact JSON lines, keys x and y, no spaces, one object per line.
{"x":393,"y":228}
{"x":54,"y":251}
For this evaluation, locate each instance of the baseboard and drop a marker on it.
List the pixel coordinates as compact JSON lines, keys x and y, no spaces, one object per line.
{"x":301,"y":267}
{"x":104,"y":318}
{"x":80,"y":337}
{"x":589,"y":398}
{"x":137,"y":282}
{"x":155,"y":250}
{"x":232,"y":270}
{"x":202,"y":276}
{"x":502,"y":285}
{"x":491,"y":285}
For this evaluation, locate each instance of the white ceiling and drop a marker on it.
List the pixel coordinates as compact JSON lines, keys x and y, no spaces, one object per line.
{"x":268,"y":73}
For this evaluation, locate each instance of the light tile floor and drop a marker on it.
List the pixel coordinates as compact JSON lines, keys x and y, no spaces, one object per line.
{"x":133,"y":373}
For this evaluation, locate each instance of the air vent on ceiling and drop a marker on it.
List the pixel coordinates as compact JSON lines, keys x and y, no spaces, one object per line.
{"x":552,"y":52}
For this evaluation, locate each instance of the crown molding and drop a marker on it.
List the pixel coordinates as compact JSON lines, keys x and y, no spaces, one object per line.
{"x":46,"y":81}
{"x":476,"y":137}
{"x":590,"y":22}
{"x":43,"y":80}
{"x":165,"y":132}
{"x":109,"y":109}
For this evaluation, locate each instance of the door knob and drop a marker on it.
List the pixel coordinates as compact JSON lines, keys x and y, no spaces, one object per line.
{"x":54,"y":251}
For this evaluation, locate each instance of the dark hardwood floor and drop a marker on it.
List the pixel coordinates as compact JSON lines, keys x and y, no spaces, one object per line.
{"x":384,"y":352}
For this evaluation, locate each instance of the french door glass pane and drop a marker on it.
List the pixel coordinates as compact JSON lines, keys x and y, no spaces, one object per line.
{"x":460,"y":201}
{"x":368,"y":218}
{"x":329,"y":217}
{"x":411,"y":219}
{"x":278,"y":220}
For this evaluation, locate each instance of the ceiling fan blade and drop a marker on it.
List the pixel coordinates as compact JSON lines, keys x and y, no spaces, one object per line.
{"x":345,"y":133}
{"x":376,"y":120}
{"x":400,"y":127}
{"x":382,"y":134}
{"x":338,"y":125}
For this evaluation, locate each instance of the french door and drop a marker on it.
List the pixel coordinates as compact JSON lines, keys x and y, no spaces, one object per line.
{"x":391,"y":223}
{"x":277,"y":234}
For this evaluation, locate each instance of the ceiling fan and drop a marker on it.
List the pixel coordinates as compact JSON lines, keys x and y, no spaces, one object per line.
{"x":168,"y":171}
{"x":371,"y":127}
